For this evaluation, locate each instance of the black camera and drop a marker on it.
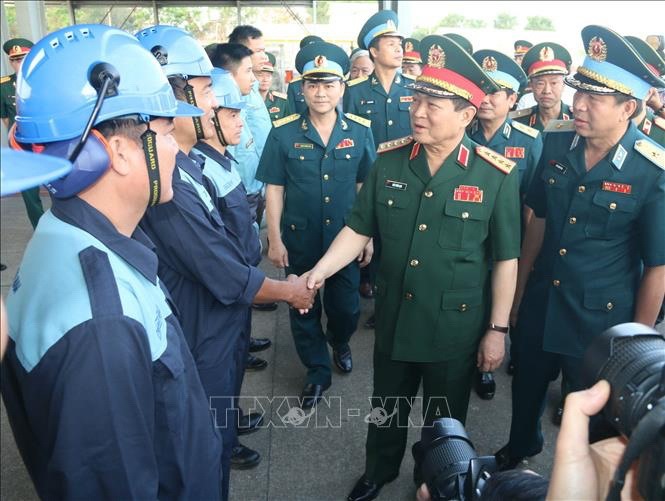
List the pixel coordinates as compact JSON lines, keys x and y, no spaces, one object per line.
{"x":447,"y":461}
{"x":631,"y":357}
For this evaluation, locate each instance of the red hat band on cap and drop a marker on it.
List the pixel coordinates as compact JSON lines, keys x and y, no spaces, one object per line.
{"x":554,"y":64}
{"x":453,"y":82}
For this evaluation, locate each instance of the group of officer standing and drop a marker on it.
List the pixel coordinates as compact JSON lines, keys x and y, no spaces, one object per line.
{"x":474,"y":219}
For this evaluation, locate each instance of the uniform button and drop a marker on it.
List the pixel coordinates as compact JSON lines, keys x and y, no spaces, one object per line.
{"x":581,"y":188}
{"x":551,"y":180}
{"x":408,"y":296}
{"x":463,"y":307}
{"x":325,"y":156}
{"x":414,"y":263}
{"x":390,"y":202}
{"x":610,"y":306}
{"x":429,"y":194}
{"x":302,"y":158}
{"x":556,"y":283}
{"x":389,"y":100}
{"x":327,"y":221}
{"x":347,"y":156}
{"x":390,"y":122}
{"x":422,"y":227}
{"x":326,"y":177}
{"x":293,"y":226}
{"x":369,"y":111}
{"x":613,"y":205}
{"x":562,"y":252}
{"x":326,"y":200}
{"x":572,"y":220}
{"x":465,"y":215}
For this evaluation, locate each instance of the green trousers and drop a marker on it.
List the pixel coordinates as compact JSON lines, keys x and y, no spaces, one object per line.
{"x":33,"y":204}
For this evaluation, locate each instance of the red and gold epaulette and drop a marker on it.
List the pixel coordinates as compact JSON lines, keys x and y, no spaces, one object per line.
{"x":494,"y":159}
{"x":394,"y":144}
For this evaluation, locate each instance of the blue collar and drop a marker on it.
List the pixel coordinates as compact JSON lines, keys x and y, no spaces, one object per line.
{"x":192,"y":164}
{"x":223,"y":160}
{"x":138,"y":251}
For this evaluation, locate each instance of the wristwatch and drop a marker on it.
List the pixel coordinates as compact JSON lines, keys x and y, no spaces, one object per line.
{"x":498,"y":328}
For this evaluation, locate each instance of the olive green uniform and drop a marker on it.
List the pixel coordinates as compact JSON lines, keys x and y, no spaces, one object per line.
{"x":654,"y":127}
{"x":276,"y":104}
{"x":530,"y":117}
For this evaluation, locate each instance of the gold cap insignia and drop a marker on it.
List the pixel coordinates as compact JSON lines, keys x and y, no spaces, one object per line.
{"x":490,"y":64}
{"x":436,"y":58}
{"x":597,"y":49}
{"x":320,"y":61}
{"x":546,"y":54}
{"x":390,"y":24}
{"x":408,"y":46}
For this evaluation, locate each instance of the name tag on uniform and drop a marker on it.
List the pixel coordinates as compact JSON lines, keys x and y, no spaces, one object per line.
{"x":395,"y":185}
{"x":345,"y":143}
{"x":514,"y":152}
{"x":303,"y":146}
{"x":617,"y":187}
{"x":559,"y":167}
{"x":405,"y":99}
{"x":363,"y":101}
{"x":465,"y":193}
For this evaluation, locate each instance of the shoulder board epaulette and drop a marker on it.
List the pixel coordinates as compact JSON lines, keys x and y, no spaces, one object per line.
{"x":660,"y":122}
{"x":6,"y":78}
{"x":394,"y":144}
{"x":357,"y":119}
{"x":524,"y":112}
{"x":286,"y":120}
{"x":295,"y":79}
{"x":494,"y":159}
{"x":408,"y":76}
{"x":355,"y":81}
{"x":281,"y":95}
{"x":651,"y":151}
{"x":529,"y":131}
{"x":560,"y":126}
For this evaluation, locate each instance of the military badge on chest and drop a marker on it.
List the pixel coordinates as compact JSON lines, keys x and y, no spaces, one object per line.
{"x":345,"y":143}
{"x":514,"y":152}
{"x":466,"y":193}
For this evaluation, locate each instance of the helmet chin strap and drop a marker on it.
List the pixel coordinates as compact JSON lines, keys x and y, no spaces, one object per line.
{"x":148,"y":138}
{"x":219,"y":131}
{"x":191,"y":99}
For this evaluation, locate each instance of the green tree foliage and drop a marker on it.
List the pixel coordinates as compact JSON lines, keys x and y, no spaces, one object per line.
{"x":452,"y":20}
{"x":539,"y":23}
{"x":474,"y":23}
{"x":504,"y":21}
{"x":421,"y":32}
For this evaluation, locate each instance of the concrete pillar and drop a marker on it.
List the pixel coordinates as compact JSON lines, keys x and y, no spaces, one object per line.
{"x":31,"y":19}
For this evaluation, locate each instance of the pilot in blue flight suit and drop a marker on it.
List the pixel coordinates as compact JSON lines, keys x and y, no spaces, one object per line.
{"x":100,"y":387}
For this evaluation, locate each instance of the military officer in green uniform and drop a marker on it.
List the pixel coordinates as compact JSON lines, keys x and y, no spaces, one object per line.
{"x":595,"y":244}
{"x":651,"y":123}
{"x":445,"y":208}
{"x":312,"y":166}
{"x":521,"y":48}
{"x":545,"y":64}
{"x":276,"y":102}
{"x":296,"y":101}
{"x":514,"y":140}
{"x":16,"y":49}
{"x":412,"y":63}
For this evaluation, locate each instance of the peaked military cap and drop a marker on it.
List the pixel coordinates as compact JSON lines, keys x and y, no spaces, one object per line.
{"x":546,"y":58}
{"x":322,"y":61}
{"x":450,"y":71}
{"x":502,"y":69}
{"x":522,"y":47}
{"x":612,"y":66}
{"x":382,"y":24}
{"x":269,"y":63}
{"x":654,"y":61}
{"x":463,"y":42}
{"x":411,"y":48}
{"x":17,"y":47}
{"x":310,"y":39}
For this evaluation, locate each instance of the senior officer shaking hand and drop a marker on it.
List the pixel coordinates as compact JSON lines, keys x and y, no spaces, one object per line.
{"x":593,"y":253}
{"x":446,"y":208}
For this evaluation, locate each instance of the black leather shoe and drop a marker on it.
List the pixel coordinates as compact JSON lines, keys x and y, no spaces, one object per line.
{"x":371,"y":322}
{"x":557,"y":415}
{"x":244,"y":458}
{"x":249,"y":423}
{"x":255,"y":363}
{"x":311,"y":394}
{"x":259,"y":344}
{"x":343,"y":360}
{"x":365,"y":489}
{"x":264,"y":306}
{"x":504,"y":461}
{"x":485,"y":385}
{"x":366,"y":290}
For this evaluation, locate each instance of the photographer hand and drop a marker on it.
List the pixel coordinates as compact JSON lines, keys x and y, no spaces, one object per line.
{"x":582,"y":471}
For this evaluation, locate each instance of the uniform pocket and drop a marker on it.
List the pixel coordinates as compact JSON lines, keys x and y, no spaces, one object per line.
{"x":404,"y":117}
{"x":463,"y":226}
{"x":170,"y":387}
{"x":606,"y":307}
{"x":460,"y":319}
{"x":392,"y":213}
{"x":610,"y":214}
{"x":304,"y":164}
{"x":346,"y":163}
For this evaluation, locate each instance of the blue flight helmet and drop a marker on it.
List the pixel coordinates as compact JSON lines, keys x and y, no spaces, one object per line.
{"x":179,"y":54}
{"x":91,"y":69}
{"x":20,"y":170}
{"x":228,"y":95}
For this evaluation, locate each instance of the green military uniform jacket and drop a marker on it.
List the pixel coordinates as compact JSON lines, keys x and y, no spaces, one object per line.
{"x":529,"y":116}
{"x":276,"y":104}
{"x":439,"y":236}
{"x":319,"y":181}
{"x":295,"y":99}
{"x":518,"y":142}
{"x":8,"y":98}
{"x":601,"y":226}
{"x":654,"y":127}
{"x":389,"y":113}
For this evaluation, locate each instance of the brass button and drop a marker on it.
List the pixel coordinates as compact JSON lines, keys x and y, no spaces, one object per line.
{"x":389,"y":100}
{"x":408,"y":296}
{"x":390,"y":202}
{"x":429,"y":193}
{"x":610,"y":306}
{"x":369,"y":111}
{"x":562,"y":252}
{"x":327,"y":221}
{"x":326,"y":200}
{"x":390,"y":122}
{"x":347,"y":156}
{"x":581,"y":188}
{"x":293,"y":226}
{"x":556,"y":283}
{"x":302,"y":158}
{"x":414,"y":262}
{"x":551,"y":180}
{"x":465,"y":215}
{"x":613,"y":205}
{"x":463,"y":307}
{"x":326,"y":177}
{"x":572,"y":220}
{"x":422,"y":227}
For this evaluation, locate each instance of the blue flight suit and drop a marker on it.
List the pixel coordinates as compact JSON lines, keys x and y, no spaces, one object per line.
{"x":212,"y":284}
{"x":294,"y":97}
{"x":100,"y":388}
{"x":320,"y":187}
{"x":602,"y":227}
